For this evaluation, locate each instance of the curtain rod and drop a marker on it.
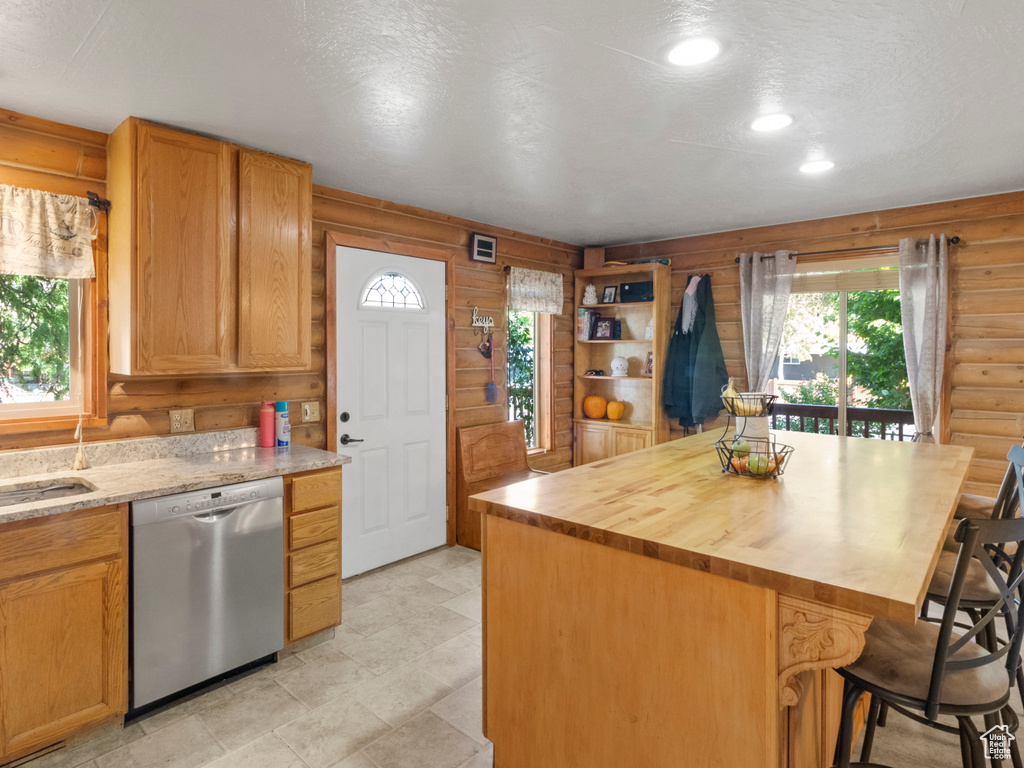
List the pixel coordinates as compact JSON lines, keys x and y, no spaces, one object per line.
{"x":955,"y":240}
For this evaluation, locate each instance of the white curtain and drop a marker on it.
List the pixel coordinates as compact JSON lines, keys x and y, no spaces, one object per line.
{"x":44,"y":234}
{"x":924,"y":301}
{"x":765,"y":283}
{"x":532,"y":290}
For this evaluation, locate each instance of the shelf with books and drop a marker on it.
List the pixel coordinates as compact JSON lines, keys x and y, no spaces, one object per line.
{"x":643,"y":330}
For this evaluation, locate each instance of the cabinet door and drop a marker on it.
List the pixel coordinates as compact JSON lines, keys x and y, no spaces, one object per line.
{"x":275,"y":199}
{"x":593,"y":443}
{"x":184,"y":287}
{"x":63,"y":652}
{"x":629,"y":440}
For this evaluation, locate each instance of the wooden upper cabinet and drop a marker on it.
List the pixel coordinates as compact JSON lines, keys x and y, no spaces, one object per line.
{"x":171,"y":272}
{"x":210,"y":255}
{"x":274,"y":261}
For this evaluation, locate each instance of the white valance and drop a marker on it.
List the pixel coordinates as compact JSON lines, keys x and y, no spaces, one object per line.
{"x":45,"y":235}
{"x":531,"y":290}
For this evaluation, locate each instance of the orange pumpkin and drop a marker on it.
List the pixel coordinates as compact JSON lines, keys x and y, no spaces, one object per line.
{"x":595,"y":406}
{"x":615,"y":410}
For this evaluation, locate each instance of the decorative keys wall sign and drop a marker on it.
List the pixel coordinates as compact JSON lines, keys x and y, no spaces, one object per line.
{"x":484,"y":323}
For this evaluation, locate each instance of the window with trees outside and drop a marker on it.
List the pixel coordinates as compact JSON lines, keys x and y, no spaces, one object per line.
{"x":841,"y":367}
{"x":41,"y":369}
{"x":528,"y":382}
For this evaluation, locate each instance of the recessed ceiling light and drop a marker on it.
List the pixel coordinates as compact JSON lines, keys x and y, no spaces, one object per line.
{"x":817,"y":166}
{"x":696,"y":50}
{"x":771,"y":122}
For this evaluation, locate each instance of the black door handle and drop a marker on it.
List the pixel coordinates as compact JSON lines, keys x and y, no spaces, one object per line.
{"x":345,"y":440}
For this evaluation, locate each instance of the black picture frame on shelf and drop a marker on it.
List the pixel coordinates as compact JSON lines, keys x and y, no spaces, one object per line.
{"x":608,"y":297}
{"x":604,"y":328}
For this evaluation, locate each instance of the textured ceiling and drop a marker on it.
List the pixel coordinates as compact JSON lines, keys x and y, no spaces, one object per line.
{"x":559,"y":118}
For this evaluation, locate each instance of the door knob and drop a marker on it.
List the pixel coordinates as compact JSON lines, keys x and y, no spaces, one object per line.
{"x":345,"y":440}
{"x":344,"y":416}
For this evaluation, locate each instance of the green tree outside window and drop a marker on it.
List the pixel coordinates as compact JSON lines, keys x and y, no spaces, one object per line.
{"x":34,"y":337}
{"x":522,"y":371}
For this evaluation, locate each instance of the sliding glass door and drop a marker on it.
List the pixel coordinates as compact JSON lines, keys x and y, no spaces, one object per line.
{"x":841,"y":368}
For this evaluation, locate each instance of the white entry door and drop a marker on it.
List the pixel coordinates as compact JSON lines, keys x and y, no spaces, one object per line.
{"x":391,"y":396}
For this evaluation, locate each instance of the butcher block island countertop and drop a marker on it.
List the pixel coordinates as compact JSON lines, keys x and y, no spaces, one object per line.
{"x":854,"y":523}
{"x":689,"y":617}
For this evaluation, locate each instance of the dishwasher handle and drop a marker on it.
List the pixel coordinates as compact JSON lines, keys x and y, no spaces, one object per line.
{"x":217,"y":514}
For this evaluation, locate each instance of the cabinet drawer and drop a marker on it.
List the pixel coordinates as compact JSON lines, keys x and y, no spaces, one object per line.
{"x":45,"y":543}
{"x":310,"y":528}
{"x":312,"y":563}
{"x":314,"y":607}
{"x":318,"y":490}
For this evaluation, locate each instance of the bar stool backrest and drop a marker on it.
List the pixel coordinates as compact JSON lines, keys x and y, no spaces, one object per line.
{"x":987,"y":541}
{"x":1008,"y":503}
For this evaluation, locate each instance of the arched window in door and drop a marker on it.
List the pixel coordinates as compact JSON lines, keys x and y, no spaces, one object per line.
{"x":392,"y":290}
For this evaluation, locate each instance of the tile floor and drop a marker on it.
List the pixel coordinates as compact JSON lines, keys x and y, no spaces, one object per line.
{"x":398,"y":687}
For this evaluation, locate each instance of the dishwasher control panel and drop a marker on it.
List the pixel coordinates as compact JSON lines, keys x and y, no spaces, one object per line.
{"x":206,"y":500}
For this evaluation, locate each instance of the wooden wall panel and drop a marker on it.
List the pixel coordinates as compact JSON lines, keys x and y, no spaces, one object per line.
{"x":476,"y":285}
{"x":985,"y":409}
{"x":62,"y":158}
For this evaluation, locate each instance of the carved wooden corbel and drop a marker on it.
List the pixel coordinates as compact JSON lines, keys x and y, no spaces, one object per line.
{"x":814,"y":636}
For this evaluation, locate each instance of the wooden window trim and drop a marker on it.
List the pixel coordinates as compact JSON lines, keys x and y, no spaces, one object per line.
{"x":94,"y":338}
{"x":545,"y":386}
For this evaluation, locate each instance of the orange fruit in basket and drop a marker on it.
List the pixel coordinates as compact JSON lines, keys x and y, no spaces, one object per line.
{"x":744,"y":463}
{"x":779,"y":458}
{"x":735,"y":464}
{"x":771,"y":466}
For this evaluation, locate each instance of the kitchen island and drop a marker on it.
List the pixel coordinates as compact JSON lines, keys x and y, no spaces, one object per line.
{"x":649,"y":611}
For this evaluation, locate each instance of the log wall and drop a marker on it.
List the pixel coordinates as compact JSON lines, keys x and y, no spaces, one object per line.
{"x":476,"y":285}
{"x":65,"y":159}
{"x":984,"y":407}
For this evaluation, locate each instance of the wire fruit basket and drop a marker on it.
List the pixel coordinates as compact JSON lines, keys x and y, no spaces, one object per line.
{"x":753,"y":456}
{"x":747,"y":404}
{"x":753,"y":452}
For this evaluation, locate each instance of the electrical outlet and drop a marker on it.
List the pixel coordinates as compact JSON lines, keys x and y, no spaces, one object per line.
{"x":311,"y":411}
{"x":181,"y":421}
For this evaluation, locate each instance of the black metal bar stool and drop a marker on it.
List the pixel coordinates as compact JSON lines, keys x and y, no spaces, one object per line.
{"x":927,"y":670}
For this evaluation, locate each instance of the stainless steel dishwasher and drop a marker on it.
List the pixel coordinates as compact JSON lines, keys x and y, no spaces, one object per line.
{"x":207,"y":585}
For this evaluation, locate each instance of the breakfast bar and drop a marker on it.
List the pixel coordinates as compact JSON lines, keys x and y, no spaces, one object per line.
{"x":650,"y":611}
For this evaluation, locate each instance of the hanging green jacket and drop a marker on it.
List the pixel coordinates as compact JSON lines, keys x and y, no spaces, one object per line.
{"x":695,"y":367}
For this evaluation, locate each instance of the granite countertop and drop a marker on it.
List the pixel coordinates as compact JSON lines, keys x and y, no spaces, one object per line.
{"x":191,"y":467}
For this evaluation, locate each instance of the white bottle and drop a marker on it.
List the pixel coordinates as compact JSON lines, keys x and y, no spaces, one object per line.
{"x":282,"y":429}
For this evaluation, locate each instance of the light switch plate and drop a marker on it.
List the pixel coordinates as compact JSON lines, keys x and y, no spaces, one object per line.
{"x":181,"y":420}
{"x":311,"y":411}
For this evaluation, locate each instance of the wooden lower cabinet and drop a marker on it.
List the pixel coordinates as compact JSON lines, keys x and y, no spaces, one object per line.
{"x":629,"y":440}
{"x":312,"y":552}
{"x":63,"y":626}
{"x":600,"y":440}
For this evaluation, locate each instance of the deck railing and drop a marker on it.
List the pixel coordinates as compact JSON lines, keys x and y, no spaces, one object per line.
{"x":879,"y":423}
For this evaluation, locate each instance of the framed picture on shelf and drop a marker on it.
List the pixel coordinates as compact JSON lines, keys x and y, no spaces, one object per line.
{"x":649,"y":365}
{"x":604,"y":328}
{"x":608,"y":297}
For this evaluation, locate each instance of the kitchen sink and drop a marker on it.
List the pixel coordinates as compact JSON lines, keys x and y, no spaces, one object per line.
{"x":41,"y":490}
